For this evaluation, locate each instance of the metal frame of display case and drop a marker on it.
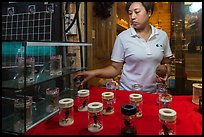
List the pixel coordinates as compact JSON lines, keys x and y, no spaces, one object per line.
{"x":12,"y":87}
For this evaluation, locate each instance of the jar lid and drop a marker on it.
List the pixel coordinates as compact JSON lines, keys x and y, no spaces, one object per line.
{"x":66,"y":102}
{"x":197,"y":85}
{"x":167,"y":114}
{"x":128,"y":109}
{"x":135,"y":97}
{"x":83,"y":92}
{"x":95,"y":107}
{"x":107,"y":95}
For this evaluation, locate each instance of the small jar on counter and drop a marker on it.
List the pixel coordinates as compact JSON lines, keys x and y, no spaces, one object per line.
{"x":167,"y":119}
{"x":95,"y":117}
{"x":137,"y":88}
{"x":108,"y":103}
{"x":128,"y":124}
{"x":136,"y":99}
{"x":66,"y":112}
{"x":83,"y":97}
{"x":165,"y":100}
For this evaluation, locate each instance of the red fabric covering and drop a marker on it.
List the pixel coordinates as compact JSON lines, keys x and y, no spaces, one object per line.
{"x":189,"y":120}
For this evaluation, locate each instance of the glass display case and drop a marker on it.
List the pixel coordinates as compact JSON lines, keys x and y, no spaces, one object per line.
{"x":29,"y":71}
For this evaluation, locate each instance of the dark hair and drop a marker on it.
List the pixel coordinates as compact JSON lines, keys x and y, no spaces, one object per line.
{"x":102,"y":9}
{"x":147,"y":5}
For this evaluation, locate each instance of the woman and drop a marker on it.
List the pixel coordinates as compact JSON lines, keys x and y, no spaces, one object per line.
{"x":137,"y":51}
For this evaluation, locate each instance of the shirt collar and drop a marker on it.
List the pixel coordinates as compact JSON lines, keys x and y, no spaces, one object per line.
{"x":134,"y":33}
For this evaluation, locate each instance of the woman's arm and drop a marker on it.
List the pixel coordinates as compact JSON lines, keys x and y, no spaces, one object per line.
{"x":107,"y":72}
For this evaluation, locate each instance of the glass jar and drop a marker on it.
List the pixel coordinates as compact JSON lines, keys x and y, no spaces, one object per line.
{"x":160,"y":89}
{"x":95,"y":117}
{"x":52,"y":98}
{"x":29,"y":70}
{"x":66,"y":116}
{"x":111,"y":85}
{"x":165,"y":100}
{"x":19,"y":113}
{"x":197,"y":91}
{"x":71,"y":61}
{"x":108,"y":103}
{"x":55,"y":66}
{"x":167,"y":119}
{"x":136,"y":99}
{"x":137,"y":88}
{"x":83,"y":98}
{"x":128,"y":124}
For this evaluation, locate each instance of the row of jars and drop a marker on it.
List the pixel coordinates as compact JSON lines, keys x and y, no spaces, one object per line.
{"x":97,"y":109}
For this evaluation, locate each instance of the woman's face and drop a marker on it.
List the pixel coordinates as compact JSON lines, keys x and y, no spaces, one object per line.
{"x":138,"y":16}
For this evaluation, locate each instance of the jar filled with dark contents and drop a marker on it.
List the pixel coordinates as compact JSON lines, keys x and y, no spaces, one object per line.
{"x":200,"y":104}
{"x":128,"y":124}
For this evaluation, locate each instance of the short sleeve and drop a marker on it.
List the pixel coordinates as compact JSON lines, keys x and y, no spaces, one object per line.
{"x":167,"y":50}
{"x":118,"y":50}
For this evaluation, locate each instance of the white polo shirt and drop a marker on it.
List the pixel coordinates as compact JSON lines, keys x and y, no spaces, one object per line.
{"x":140,"y":57}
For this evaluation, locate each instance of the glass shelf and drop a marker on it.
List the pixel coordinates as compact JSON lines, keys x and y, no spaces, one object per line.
{"x":39,"y":113}
{"x":45,"y":77}
{"x":41,"y":65}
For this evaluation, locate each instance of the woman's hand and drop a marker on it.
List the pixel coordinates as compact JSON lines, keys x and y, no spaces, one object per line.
{"x":160,"y":79}
{"x":84,"y":76}
{"x":161,"y":74}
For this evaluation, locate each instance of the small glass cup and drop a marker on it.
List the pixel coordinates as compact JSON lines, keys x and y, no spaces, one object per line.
{"x":52,"y":99}
{"x":160,"y":89}
{"x":19,"y":113}
{"x":137,"y":88}
{"x":165,"y":100}
{"x":111,"y":85}
{"x":167,"y":119}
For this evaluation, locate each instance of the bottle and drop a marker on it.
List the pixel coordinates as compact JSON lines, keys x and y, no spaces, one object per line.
{"x":128,"y":124}
{"x":66,"y":116}
{"x":95,"y":117}
{"x":167,"y":119}
{"x":136,"y":99}
{"x":108,"y":103}
{"x":83,"y":97}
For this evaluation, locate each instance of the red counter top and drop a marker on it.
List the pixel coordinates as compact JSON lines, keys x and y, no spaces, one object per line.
{"x":189,"y":120}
